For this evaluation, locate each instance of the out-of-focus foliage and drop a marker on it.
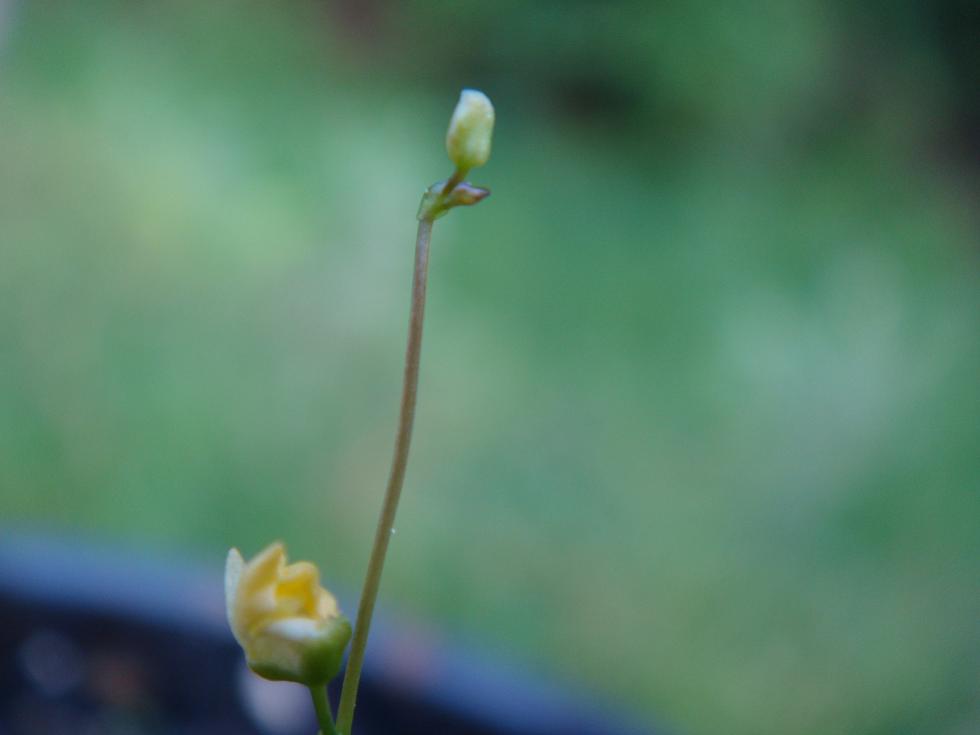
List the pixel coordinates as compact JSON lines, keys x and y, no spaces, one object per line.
{"x":698,"y":406}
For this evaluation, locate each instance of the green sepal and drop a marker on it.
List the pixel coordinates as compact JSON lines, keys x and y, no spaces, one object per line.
{"x":436,"y":201}
{"x":317,"y":660}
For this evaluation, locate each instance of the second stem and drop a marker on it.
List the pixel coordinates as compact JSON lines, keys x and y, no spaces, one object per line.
{"x":386,"y":522}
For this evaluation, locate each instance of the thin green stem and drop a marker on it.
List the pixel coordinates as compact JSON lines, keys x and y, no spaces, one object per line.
{"x":452,"y":181}
{"x":322,"y":706}
{"x":386,"y":522}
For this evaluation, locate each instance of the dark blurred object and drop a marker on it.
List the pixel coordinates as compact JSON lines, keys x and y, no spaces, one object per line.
{"x":688,"y":70}
{"x":957,"y":24}
{"x":96,"y":642}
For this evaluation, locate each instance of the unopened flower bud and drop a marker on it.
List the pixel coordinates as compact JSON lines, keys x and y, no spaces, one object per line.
{"x":470,"y":130}
{"x":289,"y":626}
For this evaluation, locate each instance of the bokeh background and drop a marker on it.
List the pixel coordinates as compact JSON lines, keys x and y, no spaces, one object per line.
{"x":698,"y":422}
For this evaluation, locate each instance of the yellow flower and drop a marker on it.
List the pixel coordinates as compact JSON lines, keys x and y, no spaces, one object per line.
{"x":470,"y":130}
{"x":290,"y":626}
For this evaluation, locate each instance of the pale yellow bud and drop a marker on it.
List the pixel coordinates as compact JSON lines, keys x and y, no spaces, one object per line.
{"x":470,"y":130}
{"x":289,"y":626}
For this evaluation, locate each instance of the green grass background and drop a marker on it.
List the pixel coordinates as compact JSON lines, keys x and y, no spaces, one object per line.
{"x":698,"y":419}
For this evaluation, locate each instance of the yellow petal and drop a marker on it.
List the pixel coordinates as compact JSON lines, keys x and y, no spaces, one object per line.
{"x":264,"y":568}
{"x":234,"y":565}
{"x":296,"y":591}
{"x":326,"y":605}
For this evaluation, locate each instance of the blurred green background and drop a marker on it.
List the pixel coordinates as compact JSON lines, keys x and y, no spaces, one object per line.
{"x":698,"y":420}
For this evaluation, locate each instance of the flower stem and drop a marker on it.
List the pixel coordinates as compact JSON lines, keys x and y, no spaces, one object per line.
{"x":386,"y":522}
{"x":322,"y":706}
{"x":452,"y":181}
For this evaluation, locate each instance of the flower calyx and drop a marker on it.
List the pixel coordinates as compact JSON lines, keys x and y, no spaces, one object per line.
{"x":444,"y":195}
